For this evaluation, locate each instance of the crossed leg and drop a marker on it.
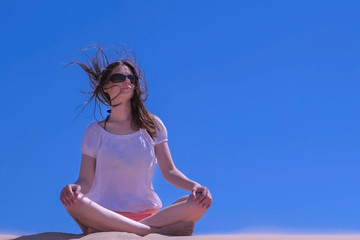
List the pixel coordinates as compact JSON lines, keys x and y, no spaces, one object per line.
{"x":185,"y":209}
{"x":176,"y":219}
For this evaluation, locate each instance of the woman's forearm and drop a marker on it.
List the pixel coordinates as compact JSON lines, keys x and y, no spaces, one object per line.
{"x":178,"y":179}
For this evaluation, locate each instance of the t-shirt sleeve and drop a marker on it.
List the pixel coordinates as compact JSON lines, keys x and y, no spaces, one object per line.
{"x":161,"y":132}
{"x":91,"y":141}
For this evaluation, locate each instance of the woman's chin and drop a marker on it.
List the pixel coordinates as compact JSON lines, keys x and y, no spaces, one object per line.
{"x":122,"y":98}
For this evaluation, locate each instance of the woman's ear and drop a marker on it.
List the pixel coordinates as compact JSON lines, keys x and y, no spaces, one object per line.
{"x":106,"y":90}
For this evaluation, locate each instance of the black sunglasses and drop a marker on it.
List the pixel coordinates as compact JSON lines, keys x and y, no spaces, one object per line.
{"x":118,"y":77}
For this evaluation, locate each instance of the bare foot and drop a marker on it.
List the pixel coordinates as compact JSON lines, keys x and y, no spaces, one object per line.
{"x":178,"y":229}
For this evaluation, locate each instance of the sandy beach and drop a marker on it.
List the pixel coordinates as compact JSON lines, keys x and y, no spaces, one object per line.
{"x":128,"y":236}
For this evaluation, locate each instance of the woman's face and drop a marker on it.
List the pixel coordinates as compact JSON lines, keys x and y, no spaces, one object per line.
{"x":120,"y":91}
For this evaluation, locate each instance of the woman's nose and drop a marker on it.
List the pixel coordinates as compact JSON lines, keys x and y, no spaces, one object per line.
{"x":127,"y":81}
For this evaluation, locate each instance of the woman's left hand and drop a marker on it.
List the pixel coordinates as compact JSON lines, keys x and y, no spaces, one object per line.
{"x":202,"y":196}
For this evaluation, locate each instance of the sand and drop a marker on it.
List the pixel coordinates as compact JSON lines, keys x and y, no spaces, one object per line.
{"x":129,"y":236}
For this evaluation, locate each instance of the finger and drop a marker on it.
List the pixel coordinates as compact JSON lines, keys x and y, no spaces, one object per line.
{"x":64,"y":200}
{"x":205,"y":192}
{"x":207,"y":199}
{"x":208,"y":194}
{"x":62,"y":197}
{"x":206,"y":202}
{"x":77,"y":192}
{"x":68,"y":193}
{"x":199,"y":198}
{"x":67,"y":202}
{"x":203,"y":196}
{"x":78,"y":189}
{"x":198,"y":195}
{"x":70,"y":197}
{"x":193,"y":193}
{"x":210,"y":201}
{"x":69,"y":188}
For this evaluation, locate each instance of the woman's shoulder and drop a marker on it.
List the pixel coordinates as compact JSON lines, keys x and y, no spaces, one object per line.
{"x":158,"y":122}
{"x":161,"y":131}
{"x":93,"y":126}
{"x":160,"y":126}
{"x":157,"y":119}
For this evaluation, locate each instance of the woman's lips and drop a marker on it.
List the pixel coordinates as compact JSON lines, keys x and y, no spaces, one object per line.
{"x":125,"y":88}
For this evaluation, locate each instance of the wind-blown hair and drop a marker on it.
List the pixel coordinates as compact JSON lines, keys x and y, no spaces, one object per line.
{"x":98,"y":70}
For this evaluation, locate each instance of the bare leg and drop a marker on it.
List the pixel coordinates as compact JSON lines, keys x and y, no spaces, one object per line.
{"x":91,"y":215}
{"x":83,"y":228}
{"x":182,"y":199}
{"x":183,"y":210}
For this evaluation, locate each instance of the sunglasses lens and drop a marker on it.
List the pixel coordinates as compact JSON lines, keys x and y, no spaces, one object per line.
{"x":118,"y":78}
{"x":132,"y":78}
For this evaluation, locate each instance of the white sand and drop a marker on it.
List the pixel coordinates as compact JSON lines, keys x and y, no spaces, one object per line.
{"x":128,"y":236}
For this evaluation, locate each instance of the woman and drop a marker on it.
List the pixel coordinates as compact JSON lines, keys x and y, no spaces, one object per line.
{"x":114,"y":190}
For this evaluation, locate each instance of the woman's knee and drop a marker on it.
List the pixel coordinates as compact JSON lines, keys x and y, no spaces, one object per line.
{"x":195,"y":209}
{"x":190,"y":204}
{"x":193,"y":204}
{"x":182,"y":199}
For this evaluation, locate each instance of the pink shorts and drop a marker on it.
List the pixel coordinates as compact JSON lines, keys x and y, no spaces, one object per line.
{"x":139,"y":215}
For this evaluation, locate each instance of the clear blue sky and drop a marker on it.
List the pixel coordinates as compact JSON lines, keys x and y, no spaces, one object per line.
{"x":260,"y":99}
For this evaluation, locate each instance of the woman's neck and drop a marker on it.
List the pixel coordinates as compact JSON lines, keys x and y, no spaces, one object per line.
{"x":121,"y":113}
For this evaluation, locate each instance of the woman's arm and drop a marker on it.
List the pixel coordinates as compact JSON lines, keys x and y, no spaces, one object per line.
{"x":87,"y":173}
{"x":177,"y":178}
{"x":84,"y":183}
{"x":169,"y":170}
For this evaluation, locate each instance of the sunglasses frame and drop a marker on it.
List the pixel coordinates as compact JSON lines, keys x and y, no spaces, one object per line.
{"x":119,"y":77}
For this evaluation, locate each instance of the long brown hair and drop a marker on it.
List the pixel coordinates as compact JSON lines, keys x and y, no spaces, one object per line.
{"x":98,"y":70}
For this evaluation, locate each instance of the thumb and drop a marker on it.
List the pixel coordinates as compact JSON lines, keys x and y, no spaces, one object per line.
{"x":77,"y":189}
{"x":193,"y":193}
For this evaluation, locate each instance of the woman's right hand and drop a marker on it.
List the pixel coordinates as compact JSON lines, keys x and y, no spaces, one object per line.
{"x":69,"y":193}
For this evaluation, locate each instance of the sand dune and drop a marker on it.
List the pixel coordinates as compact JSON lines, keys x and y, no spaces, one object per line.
{"x":128,"y":236}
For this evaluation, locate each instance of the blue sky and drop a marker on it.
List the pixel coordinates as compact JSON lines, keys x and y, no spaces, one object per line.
{"x":260,"y":99}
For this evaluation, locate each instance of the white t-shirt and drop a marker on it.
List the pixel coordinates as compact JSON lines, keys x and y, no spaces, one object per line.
{"x":125,"y":166}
